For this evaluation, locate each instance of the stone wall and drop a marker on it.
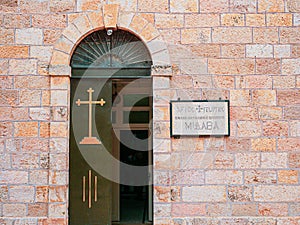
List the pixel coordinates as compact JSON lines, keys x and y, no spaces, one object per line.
{"x":247,"y":51}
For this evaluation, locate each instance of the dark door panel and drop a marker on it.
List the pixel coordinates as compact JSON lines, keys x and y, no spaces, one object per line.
{"x":89,"y":192}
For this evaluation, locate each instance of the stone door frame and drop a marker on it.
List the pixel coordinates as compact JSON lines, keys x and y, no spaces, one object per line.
{"x":110,"y":17}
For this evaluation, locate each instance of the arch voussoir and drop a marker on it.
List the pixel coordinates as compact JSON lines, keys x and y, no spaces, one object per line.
{"x":109,"y":17}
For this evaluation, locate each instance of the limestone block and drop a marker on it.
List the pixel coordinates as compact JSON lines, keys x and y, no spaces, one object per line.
{"x":247,"y":160}
{"x":243,"y":6}
{"x":270,"y":5}
{"x":223,"y":177}
{"x":110,"y":15}
{"x":30,"y":36}
{"x":153,"y":6}
{"x":188,"y":6}
{"x":232,"y":20}
{"x":62,"y":6}
{"x":232,"y":35}
{"x":280,"y":19}
{"x":274,"y":160}
{"x":260,"y":177}
{"x":249,"y":129}
{"x":7,"y":36}
{"x":82,"y":23}
{"x":214,"y":7}
{"x":49,"y":21}
{"x":276,"y":193}
{"x":204,"y":194}
{"x":259,"y":51}
{"x":96,"y":19}
{"x":256,"y":20}
{"x":23,"y":66}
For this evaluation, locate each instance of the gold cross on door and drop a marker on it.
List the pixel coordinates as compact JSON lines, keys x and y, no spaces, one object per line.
{"x":90,"y":140}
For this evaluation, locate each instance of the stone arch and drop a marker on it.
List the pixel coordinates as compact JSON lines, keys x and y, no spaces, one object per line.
{"x":60,"y":73}
{"x":109,"y":18}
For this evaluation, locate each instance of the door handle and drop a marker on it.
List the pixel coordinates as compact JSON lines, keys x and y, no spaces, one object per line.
{"x":95,"y":188}
{"x":89,"y":189}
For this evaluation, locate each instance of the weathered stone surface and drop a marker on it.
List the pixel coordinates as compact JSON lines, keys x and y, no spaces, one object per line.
{"x":31,"y":36}
{"x":9,"y":97}
{"x":288,"y":144}
{"x":21,"y":194}
{"x":288,"y":176}
{"x":245,"y":6}
{"x":231,"y":66}
{"x":288,"y":97}
{"x":89,"y":5}
{"x":264,"y":97}
{"x":294,"y":160}
{"x":201,"y":20}
{"x":153,"y":5}
{"x":247,"y":160}
{"x":38,"y":210}
{"x":9,"y":6}
{"x":223,"y":177}
{"x":265,"y":35}
{"x":169,"y":21}
{"x":281,"y":20}
{"x":217,"y":209}
{"x":204,"y":194}
{"x":232,"y":20}
{"x":291,"y":113}
{"x":57,"y":210}
{"x":274,"y":160}
{"x":240,"y":98}
{"x":260,"y":177}
{"x":264,"y":144}
{"x":51,"y":36}
{"x":275,"y":128}
{"x":196,"y":35}
{"x":34,"y":6}
{"x":14,"y":210}
{"x":149,"y":32}
{"x":231,"y":35}
{"x":260,"y":81}
{"x":270,"y":5}
{"x":288,"y":35}
{"x":30,"y":98}
{"x":62,"y":5}
{"x":23,"y":66}
{"x":16,"y":21}
{"x":268,"y":66}
{"x":24,"y":161}
{"x":256,"y":20}
{"x":259,"y":51}
{"x":276,"y":193}
{"x":214,"y":7}
{"x":184,"y":210}
{"x":167,"y":161}
{"x":187,"y":177}
{"x":276,"y":209}
{"x":188,"y":6}
{"x":49,"y":21}
{"x":6,"y":36}
{"x":26,"y":129}
{"x":247,"y":209}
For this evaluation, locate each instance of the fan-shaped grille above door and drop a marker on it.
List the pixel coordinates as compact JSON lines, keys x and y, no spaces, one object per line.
{"x":120,"y":54}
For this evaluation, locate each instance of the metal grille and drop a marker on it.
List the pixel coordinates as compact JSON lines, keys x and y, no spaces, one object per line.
{"x":120,"y":50}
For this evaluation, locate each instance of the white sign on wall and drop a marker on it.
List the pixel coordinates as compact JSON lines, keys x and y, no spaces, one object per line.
{"x":196,"y":118}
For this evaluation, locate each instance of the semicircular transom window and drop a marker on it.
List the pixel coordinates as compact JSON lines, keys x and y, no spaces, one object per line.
{"x":119,"y":54}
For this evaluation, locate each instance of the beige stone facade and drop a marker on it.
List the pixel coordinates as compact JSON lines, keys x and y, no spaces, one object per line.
{"x":246,"y":51}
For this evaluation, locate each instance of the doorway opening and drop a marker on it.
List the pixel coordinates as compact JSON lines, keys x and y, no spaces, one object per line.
{"x":110,"y":131}
{"x":132,"y":145}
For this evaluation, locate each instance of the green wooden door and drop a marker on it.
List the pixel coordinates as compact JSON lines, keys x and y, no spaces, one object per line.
{"x":90,"y":194}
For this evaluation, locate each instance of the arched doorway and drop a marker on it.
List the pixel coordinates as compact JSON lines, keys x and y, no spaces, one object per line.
{"x":110,"y":130}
